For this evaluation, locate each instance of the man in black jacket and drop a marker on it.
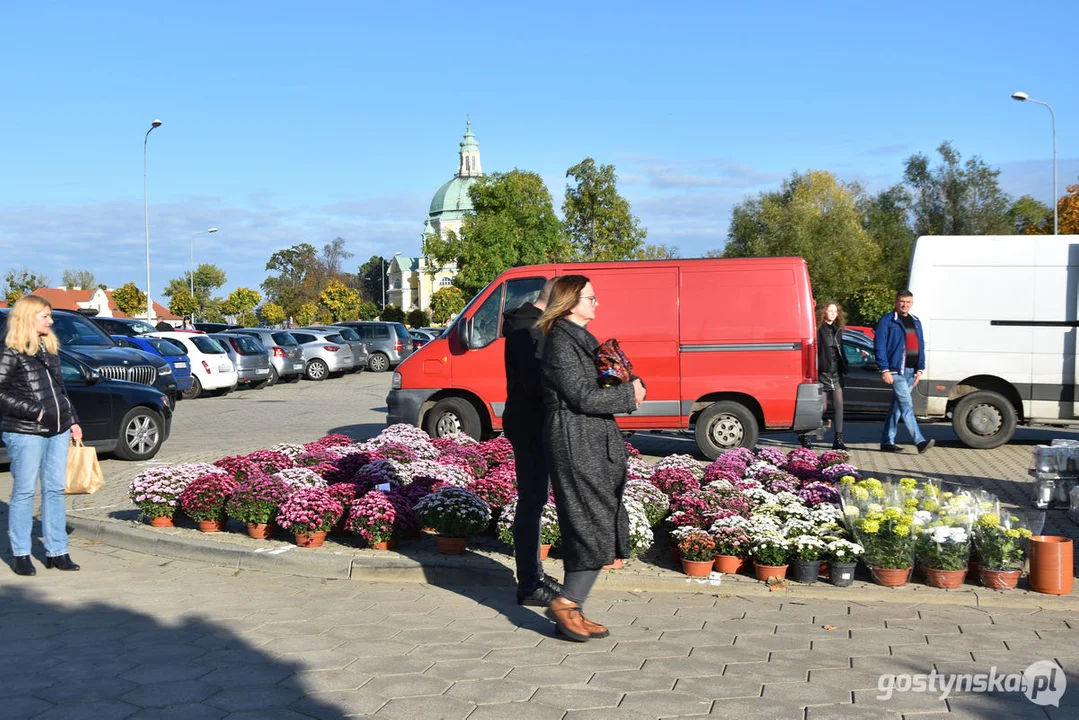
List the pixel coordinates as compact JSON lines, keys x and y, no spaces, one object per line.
{"x":522,"y":422}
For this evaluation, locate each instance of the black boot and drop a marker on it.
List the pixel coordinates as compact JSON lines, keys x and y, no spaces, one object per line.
{"x":23,"y":566}
{"x":803,"y":440}
{"x":837,"y":444}
{"x":61,"y":562}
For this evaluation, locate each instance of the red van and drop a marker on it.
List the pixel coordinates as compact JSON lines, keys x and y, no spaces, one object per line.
{"x":725,"y":347}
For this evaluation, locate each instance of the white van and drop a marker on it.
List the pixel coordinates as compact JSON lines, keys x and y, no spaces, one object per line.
{"x":1000,"y":315}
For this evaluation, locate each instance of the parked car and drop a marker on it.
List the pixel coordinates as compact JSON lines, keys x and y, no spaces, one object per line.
{"x":388,"y":342}
{"x":210,"y":365}
{"x":129,"y":419}
{"x":360,"y":355}
{"x":435,"y":331}
{"x":122,"y":326}
{"x":251,"y":359}
{"x":711,"y":365}
{"x":89,"y":344}
{"x":172,"y":353}
{"x":867,"y":331}
{"x":210,"y":327}
{"x":420,"y":338}
{"x":325,"y":353}
{"x":864,"y":392}
{"x":286,"y":355}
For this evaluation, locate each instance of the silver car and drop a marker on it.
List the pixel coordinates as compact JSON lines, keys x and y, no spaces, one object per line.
{"x":251,"y":359}
{"x":359,"y":347}
{"x":324,"y":353}
{"x":286,"y":355}
{"x":388,"y":342}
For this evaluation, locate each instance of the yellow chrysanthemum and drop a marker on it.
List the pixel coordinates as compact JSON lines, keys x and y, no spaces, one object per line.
{"x":860,"y":494}
{"x":902,"y":530}
{"x":892,"y":513}
{"x":930,"y":505}
{"x":1013,"y":534}
{"x":989,"y":520}
{"x":875,"y":516}
{"x":878,"y":492}
{"x":908,"y":483}
{"x":870,"y":526}
{"x":1025,"y":533}
{"x":871,"y":483}
{"x":847,"y":480}
{"x":947,"y":495}
{"x":907,"y":519}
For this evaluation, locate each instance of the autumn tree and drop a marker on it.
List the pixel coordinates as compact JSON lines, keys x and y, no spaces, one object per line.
{"x":79,"y":279}
{"x":341,"y":301}
{"x":658,"y":252}
{"x":182,"y":303}
{"x":306,"y":313}
{"x":241,"y":300}
{"x":445,"y":303}
{"x":599,"y":225}
{"x":293,"y":285}
{"x":956,"y":197}
{"x":1067,"y":215}
{"x":22,"y":282}
{"x":513,"y":224}
{"x":272,"y":313}
{"x":129,"y":299}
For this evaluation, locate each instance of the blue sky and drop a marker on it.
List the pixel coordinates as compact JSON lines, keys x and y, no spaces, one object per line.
{"x":285,"y":124}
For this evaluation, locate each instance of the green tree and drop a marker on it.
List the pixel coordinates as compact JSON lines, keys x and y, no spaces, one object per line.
{"x":22,"y":282}
{"x":247,"y":318}
{"x":658,"y":252}
{"x":867,"y":304}
{"x":183,"y":304}
{"x":341,"y":301}
{"x":599,"y":224}
{"x":272,"y":313}
{"x":514,"y":224}
{"x":373,"y":277}
{"x":885,"y":217}
{"x":418,"y":318}
{"x":79,"y":278}
{"x":241,"y":300}
{"x":813,"y":216}
{"x":306,"y":313}
{"x":392,"y":313}
{"x":1031,"y":216}
{"x":957,"y":198}
{"x":368,"y":310}
{"x":295,"y":281}
{"x":445,"y":303}
{"x":129,"y":299}
{"x":208,"y":278}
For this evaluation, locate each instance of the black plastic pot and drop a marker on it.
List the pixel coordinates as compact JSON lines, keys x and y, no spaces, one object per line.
{"x":803,"y":571}
{"x":841,"y":574}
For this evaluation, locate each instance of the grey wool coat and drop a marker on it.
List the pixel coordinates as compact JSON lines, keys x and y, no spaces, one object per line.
{"x":585,"y":452}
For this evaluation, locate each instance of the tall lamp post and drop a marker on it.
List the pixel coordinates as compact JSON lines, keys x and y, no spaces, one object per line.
{"x":146,"y":219}
{"x":1023,"y":97}
{"x":200,"y":232}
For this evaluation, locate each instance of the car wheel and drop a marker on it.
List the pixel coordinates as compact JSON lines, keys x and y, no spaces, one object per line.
{"x":317,"y":370}
{"x":194,"y":391}
{"x":141,"y":434}
{"x":450,"y":415}
{"x":378,"y":363}
{"x":274,"y":377}
{"x":725,"y":425}
{"x":984,"y":420}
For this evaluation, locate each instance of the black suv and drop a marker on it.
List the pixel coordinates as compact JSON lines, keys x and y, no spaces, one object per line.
{"x":129,"y":327}
{"x":87,"y":343}
{"x":216,"y":327}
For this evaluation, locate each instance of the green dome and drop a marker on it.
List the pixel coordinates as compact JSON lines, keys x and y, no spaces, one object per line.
{"x":453,"y":196}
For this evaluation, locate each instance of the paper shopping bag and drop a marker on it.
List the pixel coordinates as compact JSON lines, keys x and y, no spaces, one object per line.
{"x":83,"y":472}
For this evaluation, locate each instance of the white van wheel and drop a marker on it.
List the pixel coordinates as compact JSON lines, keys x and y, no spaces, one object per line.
{"x":984,"y":420}
{"x":725,"y":425}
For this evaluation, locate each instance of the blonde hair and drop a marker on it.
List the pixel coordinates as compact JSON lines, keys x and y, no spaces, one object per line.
{"x":565,"y":294}
{"x":21,"y":336}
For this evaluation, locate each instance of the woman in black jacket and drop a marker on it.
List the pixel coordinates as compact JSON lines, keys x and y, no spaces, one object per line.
{"x":38,"y":424}
{"x":831,"y":367}
{"x":586,"y":455}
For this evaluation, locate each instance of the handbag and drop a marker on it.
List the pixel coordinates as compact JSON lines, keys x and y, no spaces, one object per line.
{"x":83,"y":471}
{"x":612,"y":364}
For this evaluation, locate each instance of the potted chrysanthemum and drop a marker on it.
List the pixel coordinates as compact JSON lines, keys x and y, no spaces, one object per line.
{"x":373,"y":517}
{"x":456,"y":514}
{"x":156,"y":491}
{"x":842,"y":561}
{"x":771,"y":553}
{"x":697,"y":551}
{"x":204,"y":498}
{"x":255,"y":504}
{"x":309,"y":513}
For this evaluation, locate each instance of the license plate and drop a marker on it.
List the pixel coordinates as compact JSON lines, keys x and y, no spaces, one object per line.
{"x":262,"y":371}
{"x":180,"y":365}
{"x":297,"y":366}
{"x":224,"y":368}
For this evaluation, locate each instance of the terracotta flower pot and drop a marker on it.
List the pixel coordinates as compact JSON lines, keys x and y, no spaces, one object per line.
{"x":767,"y":572}
{"x":947,"y":579}
{"x":729,"y":564}
{"x":804,"y":571}
{"x":212,"y":526}
{"x":451,"y":545}
{"x":261,"y":531}
{"x":314,"y":539}
{"x":162,"y":521}
{"x":841,"y":574}
{"x":1000,"y":579}
{"x":697,"y":568}
{"x":891,"y":577}
{"x":545,"y":550}
{"x":390,"y":544}
{"x":1050,"y":565}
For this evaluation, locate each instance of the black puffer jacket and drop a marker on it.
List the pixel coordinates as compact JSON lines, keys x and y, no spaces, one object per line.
{"x":524,"y":395}
{"x":32,"y":396}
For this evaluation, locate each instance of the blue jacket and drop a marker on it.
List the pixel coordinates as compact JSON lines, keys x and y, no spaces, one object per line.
{"x":890,"y":343}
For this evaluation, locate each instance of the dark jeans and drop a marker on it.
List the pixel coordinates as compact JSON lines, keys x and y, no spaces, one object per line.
{"x":533,"y":488}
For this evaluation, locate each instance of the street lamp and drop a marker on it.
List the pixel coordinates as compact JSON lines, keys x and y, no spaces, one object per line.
{"x":1023,"y":97}
{"x":146,"y":219}
{"x":384,"y":280}
{"x":201,"y":232}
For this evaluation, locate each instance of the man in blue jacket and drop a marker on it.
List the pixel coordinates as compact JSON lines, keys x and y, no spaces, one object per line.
{"x":900,"y":350}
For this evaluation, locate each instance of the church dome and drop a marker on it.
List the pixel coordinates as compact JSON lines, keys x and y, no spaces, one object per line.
{"x":453,"y":196}
{"x":451,"y":202}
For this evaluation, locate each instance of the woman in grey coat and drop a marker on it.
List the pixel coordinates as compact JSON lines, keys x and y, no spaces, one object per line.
{"x":585,"y":451}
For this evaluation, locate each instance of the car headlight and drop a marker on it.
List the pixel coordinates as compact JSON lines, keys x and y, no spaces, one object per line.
{"x":164,"y":370}
{"x":395,"y":382}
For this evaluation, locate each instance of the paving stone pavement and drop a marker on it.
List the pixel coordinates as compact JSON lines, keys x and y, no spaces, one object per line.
{"x":134,"y":636}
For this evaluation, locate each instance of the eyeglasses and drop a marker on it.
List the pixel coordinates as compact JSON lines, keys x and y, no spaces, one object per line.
{"x":590,"y":298}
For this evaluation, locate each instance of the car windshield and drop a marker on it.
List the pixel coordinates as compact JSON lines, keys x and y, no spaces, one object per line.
{"x":284,"y":339}
{"x":335,"y":338}
{"x":348,"y":333}
{"x":77,"y":331}
{"x":140,"y":327}
{"x":249,"y":345}
{"x":207,"y":345}
{"x":402,"y":331}
{"x":167,"y":348}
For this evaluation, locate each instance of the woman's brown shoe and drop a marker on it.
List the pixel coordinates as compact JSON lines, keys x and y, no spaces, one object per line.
{"x":566,"y":614}
{"x":595,"y":630}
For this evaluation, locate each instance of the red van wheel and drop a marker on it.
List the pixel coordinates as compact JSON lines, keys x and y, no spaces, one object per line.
{"x":450,"y":415}
{"x":725,"y":425}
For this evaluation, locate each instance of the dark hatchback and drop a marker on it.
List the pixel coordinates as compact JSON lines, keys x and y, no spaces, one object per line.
{"x":126,"y":418}
{"x":864,"y":393}
{"x":87,"y":343}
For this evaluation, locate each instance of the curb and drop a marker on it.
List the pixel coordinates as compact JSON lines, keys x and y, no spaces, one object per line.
{"x":465,"y":570}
